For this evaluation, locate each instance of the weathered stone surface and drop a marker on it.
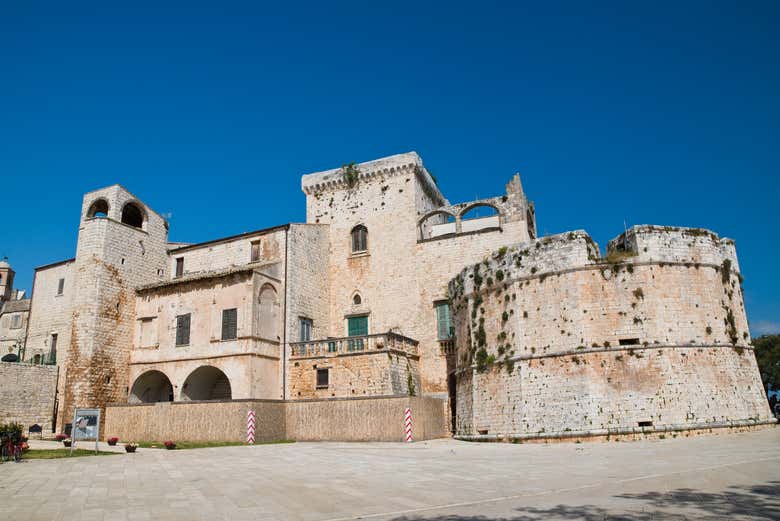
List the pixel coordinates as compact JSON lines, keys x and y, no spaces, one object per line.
{"x":27,"y":394}
{"x":553,"y":339}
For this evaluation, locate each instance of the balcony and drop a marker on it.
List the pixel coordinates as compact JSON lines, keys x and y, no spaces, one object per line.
{"x":354,"y":345}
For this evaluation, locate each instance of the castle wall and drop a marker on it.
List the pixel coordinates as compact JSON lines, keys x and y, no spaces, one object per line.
{"x":251,"y":361}
{"x":112,"y":258}
{"x":27,"y":394}
{"x":230,"y":252}
{"x":552,"y":339}
{"x":402,"y":274}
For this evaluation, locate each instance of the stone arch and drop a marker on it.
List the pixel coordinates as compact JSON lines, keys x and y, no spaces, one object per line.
{"x":206,"y":383}
{"x":426,"y":224}
{"x":98,"y":208}
{"x":356,"y":298}
{"x":152,"y":386}
{"x":133,"y":215}
{"x":268,"y":312}
{"x":474,"y":206}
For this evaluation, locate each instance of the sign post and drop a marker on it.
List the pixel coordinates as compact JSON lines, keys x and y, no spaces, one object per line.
{"x":86,"y":426}
{"x":408,"y":425}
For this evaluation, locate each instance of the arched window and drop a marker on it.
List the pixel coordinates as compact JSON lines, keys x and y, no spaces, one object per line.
{"x":268,"y":313}
{"x":359,"y":239}
{"x":132,"y":215}
{"x":98,"y":209}
{"x":356,"y":300}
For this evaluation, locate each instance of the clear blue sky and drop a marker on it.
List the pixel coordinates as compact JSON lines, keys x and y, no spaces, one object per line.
{"x":665,"y":113}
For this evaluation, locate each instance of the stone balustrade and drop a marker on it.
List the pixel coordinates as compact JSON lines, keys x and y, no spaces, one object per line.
{"x":354,"y":345}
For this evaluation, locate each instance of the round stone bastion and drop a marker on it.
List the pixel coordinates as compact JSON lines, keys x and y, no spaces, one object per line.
{"x":555,"y":341}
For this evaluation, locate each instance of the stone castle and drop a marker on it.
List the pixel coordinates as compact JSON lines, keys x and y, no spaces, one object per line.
{"x":389,"y":289}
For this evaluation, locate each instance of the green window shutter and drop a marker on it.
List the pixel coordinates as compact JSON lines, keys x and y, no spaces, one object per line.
{"x":444,"y":320}
{"x":183,"y":330}
{"x":357,"y":326}
{"x":229,"y":324}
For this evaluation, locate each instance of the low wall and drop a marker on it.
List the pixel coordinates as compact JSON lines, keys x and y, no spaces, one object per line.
{"x":195,"y":421}
{"x":27,"y":394}
{"x":341,"y":419}
{"x":366,"y":419}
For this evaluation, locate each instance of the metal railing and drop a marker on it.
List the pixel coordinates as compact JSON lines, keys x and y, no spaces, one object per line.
{"x":354,"y":345}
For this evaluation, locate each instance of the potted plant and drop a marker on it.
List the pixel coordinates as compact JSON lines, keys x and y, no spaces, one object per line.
{"x":112,"y":440}
{"x":170,"y":445}
{"x":67,"y":442}
{"x":131,"y":446}
{"x":60,"y":437}
{"x":25,"y":446}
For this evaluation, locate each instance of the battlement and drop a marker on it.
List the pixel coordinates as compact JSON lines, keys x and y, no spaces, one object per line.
{"x":555,"y":254}
{"x":398,"y":164}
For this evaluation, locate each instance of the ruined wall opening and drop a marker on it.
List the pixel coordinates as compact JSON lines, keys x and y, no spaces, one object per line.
{"x":480,"y":216}
{"x":150,"y":387}
{"x":268,"y":313}
{"x":133,"y":215}
{"x":98,"y":209}
{"x":206,"y":383}
{"x":436,"y":224}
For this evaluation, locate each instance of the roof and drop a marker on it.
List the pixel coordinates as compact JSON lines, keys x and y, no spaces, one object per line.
{"x":228,"y":239}
{"x":54,"y":264}
{"x":205,"y":275}
{"x":14,"y":306}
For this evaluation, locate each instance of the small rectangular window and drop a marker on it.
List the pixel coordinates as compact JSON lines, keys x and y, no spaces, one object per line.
{"x":183,"y":330}
{"x":180,"y":266}
{"x":305,"y":329}
{"x":628,"y":341}
{"x":53,"y":349}
{"x":61,"y":286}
{"x":255,"y":251}
{"x":444,"y":320}
{"x":229,"y":324}
{"x":322,"y":378}
{"x":16,"y":321}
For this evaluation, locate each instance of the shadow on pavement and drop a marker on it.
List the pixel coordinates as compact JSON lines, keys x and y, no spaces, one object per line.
{"x":756,"y":503}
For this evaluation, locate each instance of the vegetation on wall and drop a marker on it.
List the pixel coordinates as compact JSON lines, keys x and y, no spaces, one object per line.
{"x":350,"y":174}
{"x":767,"y":349}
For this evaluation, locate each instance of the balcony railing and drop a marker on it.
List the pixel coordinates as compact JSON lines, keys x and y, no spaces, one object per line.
{"x":354,"y":345}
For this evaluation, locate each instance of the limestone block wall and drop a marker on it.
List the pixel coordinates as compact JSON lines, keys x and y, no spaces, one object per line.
{"x":14,"y":316}
{"x":229,"y":252}
{"x":50,"y":312}
{"x":251,"y":361}
{"x":27,"y":394}
{"x":551,"y":338}
{"x":372,"y":373}
{"x":399,"y":277}
{"x":112,"y":258}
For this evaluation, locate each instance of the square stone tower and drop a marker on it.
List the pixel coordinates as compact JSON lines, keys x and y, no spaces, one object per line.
{"x":121,"y":245}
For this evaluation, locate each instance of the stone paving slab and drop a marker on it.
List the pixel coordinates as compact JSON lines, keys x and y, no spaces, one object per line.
{"x":733,"y":477}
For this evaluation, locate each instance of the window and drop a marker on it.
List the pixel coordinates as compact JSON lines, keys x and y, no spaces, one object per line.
{"x":444,"y":320}
{"x":356,"y":300}
{"x":179,"y":266}
{"x":229,"y":324}
{"x":132,"y":215}
{"x":16,"y":321}
{"x":322,"y":378}
{"x":53,"y":349}
{"x":99,"y":209}
{"x":305,"y":329}
{"x":356,"y":326}
{"x":148,"y":332}
{"x":60,"y":286}
{"x":359,"y":239}
{"x":183,"y":330}
{"x":255,"y":251}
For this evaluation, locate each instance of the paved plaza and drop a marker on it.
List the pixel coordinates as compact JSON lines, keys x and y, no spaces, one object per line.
{"x":727,"y":476}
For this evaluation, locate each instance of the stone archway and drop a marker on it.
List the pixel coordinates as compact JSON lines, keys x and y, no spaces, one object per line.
{"x":206,"y":383}
{"x":151,"y":386}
